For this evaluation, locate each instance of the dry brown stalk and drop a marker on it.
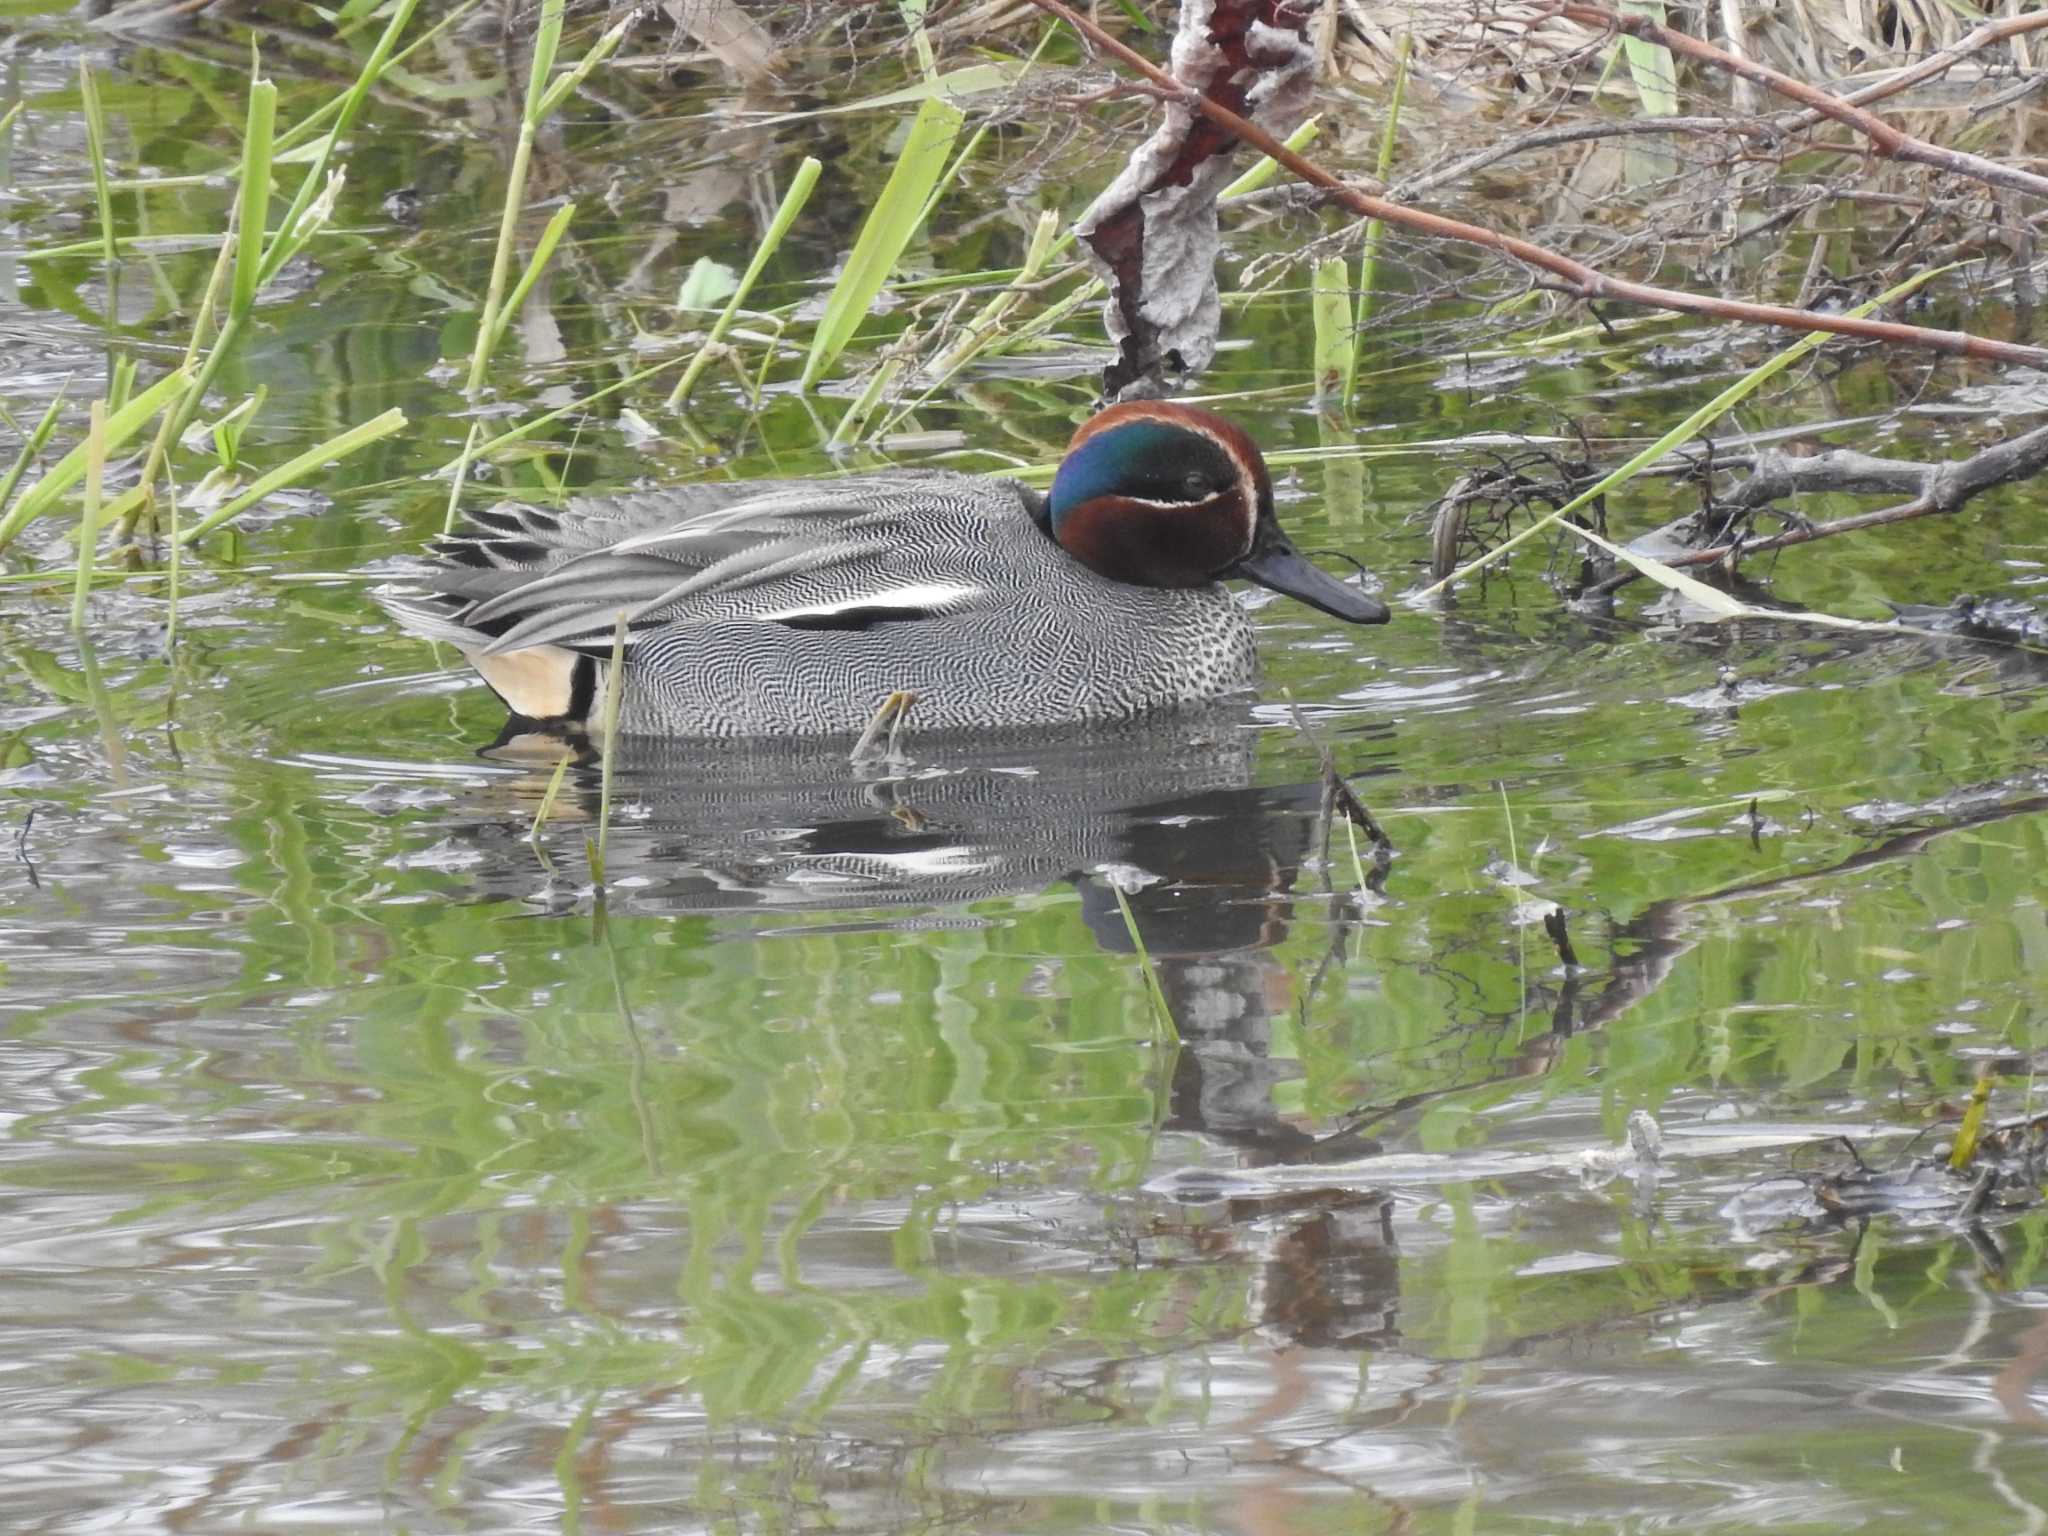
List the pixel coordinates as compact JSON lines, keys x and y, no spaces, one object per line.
{"x":1884,"y":138}
{"x":1768,"y":129}
{"x":1577,"y":278}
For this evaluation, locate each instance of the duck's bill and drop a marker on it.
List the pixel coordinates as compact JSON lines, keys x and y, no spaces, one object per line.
{"x":1280,"y":566}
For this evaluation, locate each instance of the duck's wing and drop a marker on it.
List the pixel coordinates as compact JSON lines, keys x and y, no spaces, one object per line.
{"x":844,"y":554}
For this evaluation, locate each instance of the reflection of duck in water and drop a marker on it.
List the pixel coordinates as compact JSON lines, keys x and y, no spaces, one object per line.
{"x":1166,"y":807}
{"x":782,"y":824}
{"x":796,"y":608}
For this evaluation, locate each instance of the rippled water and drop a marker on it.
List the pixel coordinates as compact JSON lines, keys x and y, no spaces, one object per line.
{"x":1052,"y":1135}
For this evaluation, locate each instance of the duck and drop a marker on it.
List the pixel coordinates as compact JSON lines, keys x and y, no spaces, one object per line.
{"x":798,"y":608}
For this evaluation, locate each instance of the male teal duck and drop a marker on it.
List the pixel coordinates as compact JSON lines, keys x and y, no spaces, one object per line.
{"x":796,"y":608}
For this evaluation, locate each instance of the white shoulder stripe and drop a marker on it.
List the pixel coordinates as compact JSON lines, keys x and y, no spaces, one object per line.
{"x":930,"y":594}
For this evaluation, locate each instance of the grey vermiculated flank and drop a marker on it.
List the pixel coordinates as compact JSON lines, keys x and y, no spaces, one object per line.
{"x":767,"y":607}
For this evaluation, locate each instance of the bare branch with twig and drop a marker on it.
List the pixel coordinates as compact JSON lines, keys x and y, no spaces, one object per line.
{"x":1935,"y":488}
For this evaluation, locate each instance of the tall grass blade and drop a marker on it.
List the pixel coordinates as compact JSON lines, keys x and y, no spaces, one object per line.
{"x":547,"y":42}
{"x":547,"y":39}
{"x":302,"y":224}
{"x":32,"y":445}
{"x":179,"y":415}
{"x":547,"y":799}
{"x":1336,"y":347}
{"x":553,"y":97}
{"x":801,"y":186}
{"x":1650,"y":64}
{"x":543,"y":248}
{"x":879,"y":382}
{"x":303,"y":130}
{"x":340,"y":446}
{"x":121,"y":382}
{"x":253,"y":200}
{"x":969,"y":80}
{"x":460,"y":475}
{"x":177,"y":563}
{"x":96,"y":149}
{"x":1162,"y":1013}
{"x":541,"y":99}
{"x":984,"y":333}
{"x":1267,"y":167}
{"x":89,"y":519}
{"x":1655,"y":75}
{"x":344,"y":108}
{"x":1716,"y":602}
{"x":614,"y":685}
{"x":888,"y":230}
{"x":61,"y":476}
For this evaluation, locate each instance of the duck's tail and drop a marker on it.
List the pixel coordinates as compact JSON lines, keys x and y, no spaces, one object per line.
{"x":494,"y":552}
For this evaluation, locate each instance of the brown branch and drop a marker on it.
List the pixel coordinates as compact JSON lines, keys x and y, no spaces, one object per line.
{"x":1768,"y":129}
{"x":1937,"y":489}
{"x":1884,"y":138}
{"x":1577,"y":278}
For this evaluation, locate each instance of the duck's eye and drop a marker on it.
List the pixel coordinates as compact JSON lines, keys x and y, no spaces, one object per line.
{"x":1197,"y":485}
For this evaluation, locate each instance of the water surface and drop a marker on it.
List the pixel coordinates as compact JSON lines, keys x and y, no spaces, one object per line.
{"x":1044,"y":1136}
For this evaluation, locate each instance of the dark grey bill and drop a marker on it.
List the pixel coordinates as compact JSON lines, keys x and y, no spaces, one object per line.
{"x":1277,"y":564}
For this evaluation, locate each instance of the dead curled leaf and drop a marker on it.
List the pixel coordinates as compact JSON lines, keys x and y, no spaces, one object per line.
{"x":1153,"y":230}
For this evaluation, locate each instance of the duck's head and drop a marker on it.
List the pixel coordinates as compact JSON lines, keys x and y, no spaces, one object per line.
{"x":1166,"y":495}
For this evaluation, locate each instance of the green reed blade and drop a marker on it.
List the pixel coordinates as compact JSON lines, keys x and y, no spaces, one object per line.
{"x":253,"y":197}
{"x":1376,"y":230}
{"x":547,"y":42}
{"x":89,"y":518}
{"x":547,"y":799}
{"x":543,"y":248}
{"x":1267,"y":167}
{"x":541,"y":99}
{"x":121,"y":425}
{"x":1162,"y":1013}
{"x":1336,"y":347}
{"x":177,"y":563}
{"x":32,"y":445}
{"x":614,"y":685}
{"x":306,"y":127}
{"x":340,"y":446}
{"x":346,"y":107}
{"x":801,"y":186}
{"x":553,"y":97}
{"x":1650,"y":64}
{"x":121,"y":382}
{"x":96,"y":149}
{"x":889,"y":228}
